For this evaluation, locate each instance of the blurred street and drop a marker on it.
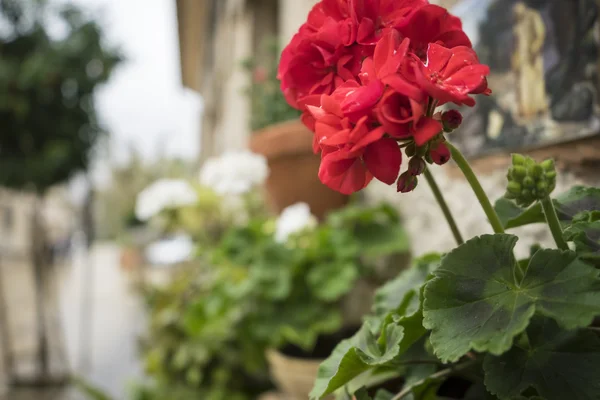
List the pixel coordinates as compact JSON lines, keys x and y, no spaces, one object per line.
{"x":101,"y":318}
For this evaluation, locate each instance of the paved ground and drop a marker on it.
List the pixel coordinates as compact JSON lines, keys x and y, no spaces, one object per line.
{"x":101,"y":318}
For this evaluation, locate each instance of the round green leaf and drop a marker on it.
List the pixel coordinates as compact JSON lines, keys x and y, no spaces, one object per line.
{"x":558,"y":364}
{"x":480,"y":299}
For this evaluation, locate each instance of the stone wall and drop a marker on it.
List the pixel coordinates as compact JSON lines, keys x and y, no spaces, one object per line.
{"x":578,"y":163}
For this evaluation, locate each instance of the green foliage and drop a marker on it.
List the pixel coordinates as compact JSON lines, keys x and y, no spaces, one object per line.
{"x":393,"y":328}
{"x":268,"y":102}
{"x":47,"y":87}
{"x":584,"y":232}
{"x":297,"y":286}
{"x":480,"y":299}
{"x":558,"y":364}
{"x":193,"y":347}
{"x":578,"y":199}
{"x":513,"y":329}
{"x":211,"y":328}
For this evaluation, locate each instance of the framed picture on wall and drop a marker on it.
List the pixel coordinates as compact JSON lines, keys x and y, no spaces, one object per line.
{"x":544,"y":59}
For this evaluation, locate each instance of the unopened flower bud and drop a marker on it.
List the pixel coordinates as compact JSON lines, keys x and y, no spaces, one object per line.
{"x":548,"y":165}
{"x":528,"y":182}
{"x":550,"y":175}
{"x":518,"y":159}
{"x":411,"y":150}
{"x":514,"y":188}
{"x":451,"y":120}
{"x":535,"y":180}
{"x":518,"y":172}
{"x":526,"y":198}
{"x":441,"y":155}
{"x":421,"y":151}
{"x":542,"y":186}
{"x":407,"y":182}
{"x":537,"y":171}
{"x":416,"y":166}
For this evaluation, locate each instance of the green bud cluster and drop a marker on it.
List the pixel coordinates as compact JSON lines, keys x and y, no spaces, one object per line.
{"x":529,"y":181}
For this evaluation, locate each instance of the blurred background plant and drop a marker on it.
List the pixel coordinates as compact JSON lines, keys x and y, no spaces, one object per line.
{"x":268,"y":102}
{"x":49,"y":129}
{"x":211,"y":327}
{"x":47,"y":112}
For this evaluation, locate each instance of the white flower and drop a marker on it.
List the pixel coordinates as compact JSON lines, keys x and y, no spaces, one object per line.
{"x":293,"y":219}
{"x":234,"y":173}
{"x":162,"y":195}
{"x":170,"y":251}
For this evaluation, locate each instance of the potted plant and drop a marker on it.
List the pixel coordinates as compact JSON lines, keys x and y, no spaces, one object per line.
{"x":193,"y":348}
{"x":480,"y":322}
{"x":302,"y":281}
{"x":280,"y":136}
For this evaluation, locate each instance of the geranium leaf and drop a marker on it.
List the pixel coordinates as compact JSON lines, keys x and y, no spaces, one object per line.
{"x":354,"y":356}
{"x":330,"y":281}
{"x":569,"y":204}
{"x":558,"y":364}
{"x":586,"y":236}
{"x":365,"y":350}
{"x":513,"y":216}
{"x":390,"y":296}
{"x":383,"y":394}
{"x":362,"y":394}
{"x":480,"y":299}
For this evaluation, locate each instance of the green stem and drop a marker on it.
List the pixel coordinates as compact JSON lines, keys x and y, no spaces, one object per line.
{"x":467,"y":171}
{"x":554,"y":223}
{"x":437,"y":193}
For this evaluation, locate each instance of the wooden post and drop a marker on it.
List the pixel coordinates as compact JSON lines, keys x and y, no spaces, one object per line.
{"x":8,"y":361}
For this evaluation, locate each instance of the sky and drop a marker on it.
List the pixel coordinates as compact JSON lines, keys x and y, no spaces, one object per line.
{"x":144,"y":105}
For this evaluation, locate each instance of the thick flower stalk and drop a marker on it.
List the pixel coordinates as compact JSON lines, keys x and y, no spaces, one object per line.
{"x":368,"y":76}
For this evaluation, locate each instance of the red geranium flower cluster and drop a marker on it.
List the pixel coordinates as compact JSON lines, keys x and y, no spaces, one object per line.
{"x":368,"y":75}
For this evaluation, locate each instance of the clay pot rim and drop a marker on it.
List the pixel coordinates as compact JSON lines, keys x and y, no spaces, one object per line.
{"x":282,"y":139}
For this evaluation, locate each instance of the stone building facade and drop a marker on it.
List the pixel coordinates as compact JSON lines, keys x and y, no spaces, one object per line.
{"x":215,"y":37}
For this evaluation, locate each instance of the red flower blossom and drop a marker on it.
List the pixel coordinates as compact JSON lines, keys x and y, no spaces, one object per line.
{"x":450,"y":75}
{"x":317,"y":63}
{"x":432,"y":24}
{"x":352,"y":154}
{"x":358,"y":100}
{"x":369,"y":72}
{"x":395,"y":68}
{"x":373,"y":17}
{"x":398,"y":113}
{"x":339,"y":12}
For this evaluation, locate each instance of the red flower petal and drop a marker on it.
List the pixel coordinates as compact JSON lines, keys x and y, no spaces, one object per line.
{"x":426,"y":129}
{"x":368,"y":138}
{"x":353,"y":175}
{"x":383,"y":159}
{"x":389,"y":53}
{"x":404,"y":87}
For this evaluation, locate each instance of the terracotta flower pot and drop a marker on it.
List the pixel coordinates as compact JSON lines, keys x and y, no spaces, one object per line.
{"x":131,"y":259}
{"x":294,"y":169}
{"x":294,"y":377}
